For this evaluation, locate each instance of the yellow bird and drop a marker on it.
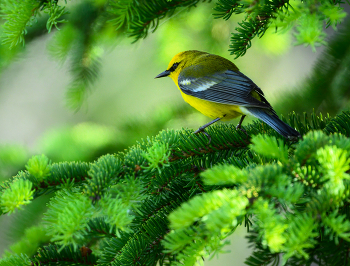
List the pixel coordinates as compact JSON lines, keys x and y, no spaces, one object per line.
{"x":215,"y":87}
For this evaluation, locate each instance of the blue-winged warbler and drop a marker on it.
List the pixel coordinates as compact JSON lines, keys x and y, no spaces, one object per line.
{"x":215,"y":87}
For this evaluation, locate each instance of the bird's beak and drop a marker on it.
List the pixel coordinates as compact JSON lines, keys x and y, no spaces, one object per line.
{"x":163,"y":74}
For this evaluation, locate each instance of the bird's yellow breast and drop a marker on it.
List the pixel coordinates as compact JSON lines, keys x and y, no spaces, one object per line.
{"x":212,"y":109}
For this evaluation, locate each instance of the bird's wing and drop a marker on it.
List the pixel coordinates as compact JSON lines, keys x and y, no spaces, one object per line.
{"x":227,"y":87}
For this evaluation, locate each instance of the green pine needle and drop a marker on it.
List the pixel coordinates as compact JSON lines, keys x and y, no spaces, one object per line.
{"x":157,"y":156}
{"x":18,"y":15}
{"x":271,"y":147}
{"x":39,"y":166}
{"x":224,"y":175}
{"x":67,"y":218}
{"x":16,"y":260}
{"x":18,"y":194}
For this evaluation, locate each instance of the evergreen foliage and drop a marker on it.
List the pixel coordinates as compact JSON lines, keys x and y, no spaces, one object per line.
{"x":174,"y":199}
{"x":15,"y":260}
{"x":329,"y":77}
{"x":85,"y":26}
{"x":11,"y":199}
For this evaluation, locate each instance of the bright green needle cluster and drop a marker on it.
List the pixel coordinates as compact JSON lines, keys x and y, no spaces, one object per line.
{"x":18,"y":16}
{"x":39,"y":166}
{"x":310,"y":31}
{"x":55,"y":13}
{"x":103,"y":173}
{"x":202,"y":207}
{"x":157,"y":156}
{"x":19,"y":193}
{"x":67,"y":218}
{"x":272,"y":226}
{"x":335,"y":163}
{"x":117,"y":214}
{"x":270,"y":147}
{"x":229,"y":175}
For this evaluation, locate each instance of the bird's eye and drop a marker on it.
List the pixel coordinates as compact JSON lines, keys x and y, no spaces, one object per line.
{"x":173,"y":67}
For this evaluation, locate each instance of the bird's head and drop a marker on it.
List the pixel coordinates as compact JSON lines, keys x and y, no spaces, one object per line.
{"x":180,"y":61}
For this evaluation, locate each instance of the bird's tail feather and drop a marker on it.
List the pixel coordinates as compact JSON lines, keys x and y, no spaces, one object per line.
{"x":273,"y":121}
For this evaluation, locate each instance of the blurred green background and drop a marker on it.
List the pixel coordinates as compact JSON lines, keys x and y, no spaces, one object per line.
{"x":126,"y":103}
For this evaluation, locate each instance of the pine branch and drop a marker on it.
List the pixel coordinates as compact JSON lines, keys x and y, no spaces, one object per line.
{"x":256,"y":22}
{"x":329,"y":77}
{"x":292,"y":195}
{"x":150,"y":12}
{"x":98,"y":227}
{"x":15,"y":260}
{"x":18,"y":15}
{"x":67,"y":256}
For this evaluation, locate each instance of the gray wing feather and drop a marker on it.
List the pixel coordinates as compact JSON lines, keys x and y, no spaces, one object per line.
{"x":229,"y":87}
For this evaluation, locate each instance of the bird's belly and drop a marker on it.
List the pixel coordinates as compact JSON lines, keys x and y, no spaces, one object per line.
{"x":212,"y":109}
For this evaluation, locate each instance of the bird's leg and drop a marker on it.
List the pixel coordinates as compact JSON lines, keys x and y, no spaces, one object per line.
{"x":201,"y":129}
{"x":240,"y":122}
{"x":239,"y":126}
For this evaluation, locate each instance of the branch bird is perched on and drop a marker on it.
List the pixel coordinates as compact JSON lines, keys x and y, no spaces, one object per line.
{"x":215,"y":87}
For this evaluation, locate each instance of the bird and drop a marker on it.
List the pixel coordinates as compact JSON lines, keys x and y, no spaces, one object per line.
{"x":215,"y":87}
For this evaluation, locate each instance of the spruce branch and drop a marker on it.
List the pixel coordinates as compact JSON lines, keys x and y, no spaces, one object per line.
{"x":254,"y":26}
{"x":66,"y":220}
{"x":39,"y":167}
{"x":330,"y":77}
{"x":55,"y":12}
{"x":150,"y":12}
{"x":17,"y":194}
{"x":98,"y":227}
{"x":116,"y":213}
{"x":337,"y":226}
{"x":292,"y":196}
{"x":104,"y":171}
{"x":15,"y":260}
{"x":82,"y":28}
{"x":53,"y":254}
{"x":18,"y":15}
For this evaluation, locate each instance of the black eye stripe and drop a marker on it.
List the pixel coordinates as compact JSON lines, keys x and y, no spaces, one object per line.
{"x":173,"y":67}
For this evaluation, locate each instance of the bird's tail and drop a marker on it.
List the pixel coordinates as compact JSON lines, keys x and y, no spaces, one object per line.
{"x":273,"y":121}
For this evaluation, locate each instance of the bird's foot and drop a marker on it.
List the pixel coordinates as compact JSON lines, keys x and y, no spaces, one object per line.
{"x":239,"y":127}
{"x":294,"y":138}
{"x":201,"y":130}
